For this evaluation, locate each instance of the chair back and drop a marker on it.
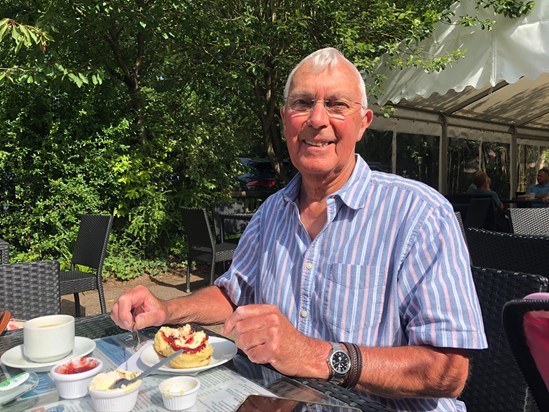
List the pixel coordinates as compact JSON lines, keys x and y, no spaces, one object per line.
{"x":530,"y":221}
{"x":4,"y":252}
{"x":495,"y":382}
{"x":507,"y":251}
{"x":460,"y":203}
{"x":30,"y":289}
{"x":230,"y":226}
{"x":480,"y":213}
{"x":197,"y":228}
{"x":526,"y":324}
{"x":91,"y":242}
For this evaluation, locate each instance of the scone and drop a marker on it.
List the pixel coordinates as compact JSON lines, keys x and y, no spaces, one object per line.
{"x":197,"y":351}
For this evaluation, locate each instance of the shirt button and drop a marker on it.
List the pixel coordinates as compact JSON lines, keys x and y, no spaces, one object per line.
{"x":309,"y":266}
{"x":304,"y":314}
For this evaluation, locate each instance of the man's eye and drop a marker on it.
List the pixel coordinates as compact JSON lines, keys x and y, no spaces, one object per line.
{"x":302,"y":104}
{"x":337,"y":104}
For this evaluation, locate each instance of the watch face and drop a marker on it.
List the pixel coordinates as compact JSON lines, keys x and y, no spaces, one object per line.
{"x":340,"y":362}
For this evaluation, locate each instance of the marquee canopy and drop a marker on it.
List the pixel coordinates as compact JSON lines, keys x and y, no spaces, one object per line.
{"x":502,"y":80}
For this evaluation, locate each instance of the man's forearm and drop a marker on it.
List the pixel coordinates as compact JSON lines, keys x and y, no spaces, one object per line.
{"x":413,"y":371}
{"x":207,"y":306}
{"x":396,"y":372}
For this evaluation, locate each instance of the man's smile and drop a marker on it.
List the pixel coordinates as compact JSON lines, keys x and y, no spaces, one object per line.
{"x":316,"y":144}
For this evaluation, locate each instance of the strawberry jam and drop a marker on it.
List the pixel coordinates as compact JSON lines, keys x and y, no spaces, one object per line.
{"x":77,"y":366}
{"x":172,"y":341}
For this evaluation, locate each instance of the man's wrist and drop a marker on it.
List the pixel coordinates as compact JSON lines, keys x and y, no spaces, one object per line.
{"x":338,"y":362}
{"x":353,"y":376}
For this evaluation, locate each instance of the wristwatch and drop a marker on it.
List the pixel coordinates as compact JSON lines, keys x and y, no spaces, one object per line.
{"x":339,"y":363}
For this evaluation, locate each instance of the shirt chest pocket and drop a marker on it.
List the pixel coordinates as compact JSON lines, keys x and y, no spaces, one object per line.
{"x":353,"y":297}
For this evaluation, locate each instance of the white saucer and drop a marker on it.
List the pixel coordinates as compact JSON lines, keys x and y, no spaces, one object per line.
{"x":15,"y":359}
{"x":224,"y":351}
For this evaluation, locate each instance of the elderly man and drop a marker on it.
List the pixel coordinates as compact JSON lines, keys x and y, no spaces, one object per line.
{"x":346,"y":274}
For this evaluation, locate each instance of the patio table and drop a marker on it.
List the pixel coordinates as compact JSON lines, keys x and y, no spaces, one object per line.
{"x":101,"y":328}
{"x":4,"y":251}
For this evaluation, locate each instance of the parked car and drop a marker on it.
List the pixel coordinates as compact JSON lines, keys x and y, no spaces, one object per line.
{"x":260,"y":175}
{"x":380,"y":167}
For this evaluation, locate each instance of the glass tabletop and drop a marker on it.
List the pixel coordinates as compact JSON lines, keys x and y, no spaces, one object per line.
{"x":225,"y":386}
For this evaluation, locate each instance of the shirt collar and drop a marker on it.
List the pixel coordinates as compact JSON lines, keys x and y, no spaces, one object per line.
{"x":352,"y":193}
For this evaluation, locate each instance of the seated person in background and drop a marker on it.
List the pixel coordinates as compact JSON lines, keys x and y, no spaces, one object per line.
{"x":482,"y":184}
{"x":482,"y":181}
{"x":541,"y":189}
{"x":366,"y":266}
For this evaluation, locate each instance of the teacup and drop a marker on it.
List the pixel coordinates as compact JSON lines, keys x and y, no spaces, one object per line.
{"x":48,"y":338}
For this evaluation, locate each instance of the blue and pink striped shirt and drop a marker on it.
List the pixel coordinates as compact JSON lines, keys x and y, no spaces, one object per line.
{"x":389,"y":268}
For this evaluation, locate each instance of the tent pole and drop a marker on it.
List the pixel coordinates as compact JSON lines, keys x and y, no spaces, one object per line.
{"x":394,"y":152}
{"x":513,"y":163}
{"x":443,"y":157}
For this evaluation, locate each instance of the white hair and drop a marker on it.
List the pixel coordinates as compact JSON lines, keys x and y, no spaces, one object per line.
{"x":322,"y":59}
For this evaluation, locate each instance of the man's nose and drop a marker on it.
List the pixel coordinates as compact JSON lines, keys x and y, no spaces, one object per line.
{"x":318,"y":114}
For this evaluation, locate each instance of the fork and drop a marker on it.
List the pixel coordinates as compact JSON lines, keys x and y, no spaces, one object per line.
{"x":135,"y":337}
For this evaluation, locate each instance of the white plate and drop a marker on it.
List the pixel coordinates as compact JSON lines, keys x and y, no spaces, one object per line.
{"x":223,"y":351}
{"x":15,"y":359}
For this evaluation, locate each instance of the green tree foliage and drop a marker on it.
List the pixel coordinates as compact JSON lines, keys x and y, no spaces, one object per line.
{"x":138,"y":107}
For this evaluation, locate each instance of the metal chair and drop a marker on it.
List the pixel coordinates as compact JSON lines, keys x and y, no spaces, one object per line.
{"x":513,"y":322}
{"x":201,"y":242}
{"x":530,"y":221}
{"x":507,"y":251}
{"x":30,"y":289}
{"x":89,"y":251}
{"x":495,"y":382}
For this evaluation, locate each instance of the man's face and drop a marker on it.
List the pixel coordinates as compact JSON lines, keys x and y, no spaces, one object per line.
{"x":322,"y":146}
{"x":543,"y":178}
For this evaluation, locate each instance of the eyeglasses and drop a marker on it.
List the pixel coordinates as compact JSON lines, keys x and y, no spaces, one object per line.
{"x":335,"y":108}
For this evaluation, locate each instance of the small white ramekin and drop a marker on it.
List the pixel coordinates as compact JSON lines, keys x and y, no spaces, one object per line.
{"x":75,"y":385}
{"x":180,"y":392}
{"x":115,"y":400}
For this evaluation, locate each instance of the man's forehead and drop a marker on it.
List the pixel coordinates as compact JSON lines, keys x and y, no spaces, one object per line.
{"x":340,"y":80}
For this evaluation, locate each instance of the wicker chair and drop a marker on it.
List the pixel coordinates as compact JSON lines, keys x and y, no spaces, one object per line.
{"x":30,"y":289}
{"x":89,"y":251}
{"x":513,"y":315}
{"x":4,"y":251}
{"x":461,"y":226}
{"x":507,"y":251}
{"x":480,"y":213}
{"x":530,"y":221}
{"x":495,"y":382}
{"x":231,"y":227}
{"x":201,"y":242}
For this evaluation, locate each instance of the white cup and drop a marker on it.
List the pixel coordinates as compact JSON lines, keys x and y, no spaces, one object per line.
{"x":48,"y":338}
{"x":531,"y":196}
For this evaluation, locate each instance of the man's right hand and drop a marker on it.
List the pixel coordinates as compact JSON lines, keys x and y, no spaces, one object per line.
{"x":138,"y":308}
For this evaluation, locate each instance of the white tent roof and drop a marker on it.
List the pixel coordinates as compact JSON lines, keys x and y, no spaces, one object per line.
{"x":503,"y":78}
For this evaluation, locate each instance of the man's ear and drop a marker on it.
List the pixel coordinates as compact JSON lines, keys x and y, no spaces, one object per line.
{"x":365,"y":123}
